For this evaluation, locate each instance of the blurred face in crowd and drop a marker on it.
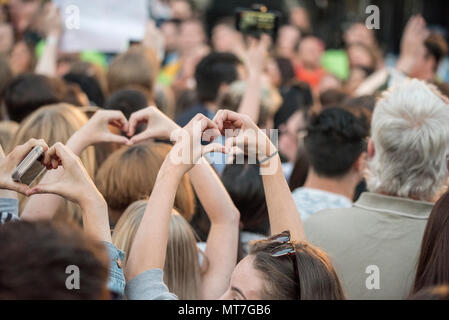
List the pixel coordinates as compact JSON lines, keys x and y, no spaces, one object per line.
{"x":329,"y":82}
{"x":191,"y":36}
{"x":181,"y":9}
{"x":289,"y":135}
{"x":288,"y":37}
{"x":6,"y":37}
{"x":246,"y":282}
{"x":273,"y":73}
{"x":359,"y":33}
{"x":360,"y":56}
{"x":300,"y":18}
{"x":22,"y":13}
{"x":225,"y":38}
{"x":310,"y":51}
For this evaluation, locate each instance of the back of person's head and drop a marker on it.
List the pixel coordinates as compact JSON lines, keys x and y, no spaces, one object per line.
{"x":410,"y":142}
{"x":129,"y":174}
{"x":286,"y":70}
{"x":89,"y":85}
{"x":56,"y":123}
{"x":313,"y":279}
{"x":127,"y":101}
{"x":433,"y":263}
{"x":28,"y":92}
{"x":436,"y":47}
{"x":36,"y":257}
{"x":181,"y":269}
{"x":137,"y":66}
{"x":244,"y":184}
{"x":335,"y":140}
{"x":214,"y":70}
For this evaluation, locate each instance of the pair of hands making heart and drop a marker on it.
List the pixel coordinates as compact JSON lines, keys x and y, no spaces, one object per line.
{"x":75,"y":184}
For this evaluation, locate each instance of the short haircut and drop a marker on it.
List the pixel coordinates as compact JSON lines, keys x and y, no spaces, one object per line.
{"x":410,"y":133}
{"x":28,"y":92}
{"x":335,"y":139}
{"x":35,"y":257}
{"x":212,"y":71}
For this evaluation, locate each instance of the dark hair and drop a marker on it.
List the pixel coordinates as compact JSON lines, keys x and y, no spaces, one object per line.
{"x":317,"y":277}
{"x":335,"y":139}
{"x":89,"y":85}
{"x":127,"y":101}
{"x":296,"y":96}
{"x":433,"y":263}
{"x":27,"y":92}
{"x":300,"y":170}
{"x":436,"y":47}
{"x":5,"y":75}
{"x":362,"y":107}
{"x":215,"y":69}
{"x":35,"y":257}
{"x":244,"y":184}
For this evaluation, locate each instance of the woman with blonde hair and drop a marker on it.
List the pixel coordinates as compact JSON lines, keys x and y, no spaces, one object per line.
{"x":55,"y":123}
{"x":182,"y":266}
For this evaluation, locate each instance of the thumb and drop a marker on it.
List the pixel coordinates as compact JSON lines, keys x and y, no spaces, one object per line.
{"x":110,"y":137}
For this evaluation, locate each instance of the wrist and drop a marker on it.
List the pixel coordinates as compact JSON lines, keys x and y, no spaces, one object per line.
{"x":77,"y":143}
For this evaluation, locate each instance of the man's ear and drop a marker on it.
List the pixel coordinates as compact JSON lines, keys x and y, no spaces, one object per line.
{"x":371,"y":149}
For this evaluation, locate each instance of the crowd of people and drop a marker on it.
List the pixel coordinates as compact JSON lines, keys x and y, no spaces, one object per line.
{"x":218,"y":165}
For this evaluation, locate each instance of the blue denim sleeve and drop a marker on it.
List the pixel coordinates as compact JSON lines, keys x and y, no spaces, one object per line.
{"x":116,"y":279}
{"x":9,"y":210}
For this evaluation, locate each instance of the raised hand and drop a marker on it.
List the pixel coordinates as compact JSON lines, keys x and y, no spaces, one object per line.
{"x":242,"y":134}
{"x":12,"y":160}
{"x":412,"y":43}
{"x":158,"y":125}
{"x":96,"y":130}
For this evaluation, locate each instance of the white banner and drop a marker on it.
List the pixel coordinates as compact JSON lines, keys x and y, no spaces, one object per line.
{"x":104,"y":25}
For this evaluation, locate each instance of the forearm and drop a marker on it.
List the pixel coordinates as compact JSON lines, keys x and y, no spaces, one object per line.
{"x":149,"y":247}
{"x":282,"y":210}
{"x":219,"y":207}
{"x":95,"y":217}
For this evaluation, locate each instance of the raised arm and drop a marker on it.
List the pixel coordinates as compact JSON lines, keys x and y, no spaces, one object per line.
{"x":47,"y":63}
{"x":149,"y":247}
{"x":254,"y":61}
{"x":282,"y":211}
{"x":222,"y":241}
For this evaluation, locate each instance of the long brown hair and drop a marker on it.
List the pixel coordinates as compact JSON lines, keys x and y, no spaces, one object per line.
{"x":433,"y":263}
{"x":317,"y":277}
